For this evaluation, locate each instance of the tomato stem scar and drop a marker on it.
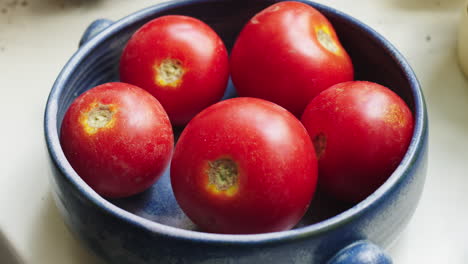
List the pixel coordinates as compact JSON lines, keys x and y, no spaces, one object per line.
{"x":100,"y":116}
{"x":222,"y":173}
{"x":326,"y":41}
{"x":169,"y":72}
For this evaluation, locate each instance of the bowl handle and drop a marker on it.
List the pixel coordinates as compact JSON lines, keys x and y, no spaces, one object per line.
{"x":361,"y":252}
{"x":94,"y":28}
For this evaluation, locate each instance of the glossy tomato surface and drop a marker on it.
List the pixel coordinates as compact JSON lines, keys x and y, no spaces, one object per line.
{"x":181,"y":61}
{"x":288,"y":53}
{"x":118,"y":138}
{"x":244,"y":165}
{"x":361,"y":131}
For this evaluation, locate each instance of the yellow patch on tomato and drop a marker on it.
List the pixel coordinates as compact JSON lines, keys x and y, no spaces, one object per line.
{"x":394,"y":115}
{"x":231,"y":191}
{"x":169,"y":72}
{"x":222,"y":177}
{"x":97,"y":117}
{"x":324,"y":37}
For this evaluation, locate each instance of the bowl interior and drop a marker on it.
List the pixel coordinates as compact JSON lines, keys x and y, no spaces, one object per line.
{"x":97,"y":62}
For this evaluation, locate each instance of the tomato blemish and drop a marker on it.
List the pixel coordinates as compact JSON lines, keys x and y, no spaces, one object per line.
{"x":222,"y":176}
{"x":325,"y":39}
{"x":394,"y":115}
{"x":273,"y":8}
{"x":254,"y":20}
{"x":320,"y":143}
{"x":100,"y":116}
{"x":169,"y":73}
{"x":339,"y":90}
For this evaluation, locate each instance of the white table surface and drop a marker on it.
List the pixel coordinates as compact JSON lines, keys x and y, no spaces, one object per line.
{"x":38,"y":36}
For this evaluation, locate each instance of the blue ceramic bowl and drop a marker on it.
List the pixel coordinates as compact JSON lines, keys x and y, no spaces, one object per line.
{"x":151,"y":228}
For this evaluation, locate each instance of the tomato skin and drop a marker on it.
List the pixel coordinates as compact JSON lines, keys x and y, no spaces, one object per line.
{"x":277,"y":56}
{"x":361,"y":131}
{"x":129,"y":153}
{"x":276,"y":164}
{"x":202,"y":57}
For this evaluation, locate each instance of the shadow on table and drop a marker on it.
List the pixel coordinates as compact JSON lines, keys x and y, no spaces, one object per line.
{"x":51,"y":238}
{"x":7,"y":254}
{"x":51,"y":7}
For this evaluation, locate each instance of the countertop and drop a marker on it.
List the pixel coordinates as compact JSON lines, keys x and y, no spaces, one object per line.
{"x":38,"y":36}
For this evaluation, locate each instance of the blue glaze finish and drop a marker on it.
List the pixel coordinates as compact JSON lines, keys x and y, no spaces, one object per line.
{"x":94,"y":28}
{"x":151,"y":228}
{"x":361,"y":252}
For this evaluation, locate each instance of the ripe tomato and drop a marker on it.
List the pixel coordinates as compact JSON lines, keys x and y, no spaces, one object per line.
{"x":287,"y":54}
{"x":181,"y":61}
{"x":118,"y":139}
{"x":361,"y":131}
{"x":244,"y":165}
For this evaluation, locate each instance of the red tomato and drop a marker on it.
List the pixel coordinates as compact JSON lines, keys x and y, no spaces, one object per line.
{"x":287,"y":54}
{"x":181,"y":61}
{"x":361,"y":131}
{"x":118,"y":139}
{"x":244,"y":165}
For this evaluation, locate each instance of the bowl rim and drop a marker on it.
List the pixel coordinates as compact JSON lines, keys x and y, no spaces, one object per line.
{"x":57,"y":156}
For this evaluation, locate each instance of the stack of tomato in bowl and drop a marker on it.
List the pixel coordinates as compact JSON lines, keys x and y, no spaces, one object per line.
{"x":300,"y":123}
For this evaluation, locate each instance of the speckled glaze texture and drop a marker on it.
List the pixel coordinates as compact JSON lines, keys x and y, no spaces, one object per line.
{"x":151,"y":228}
